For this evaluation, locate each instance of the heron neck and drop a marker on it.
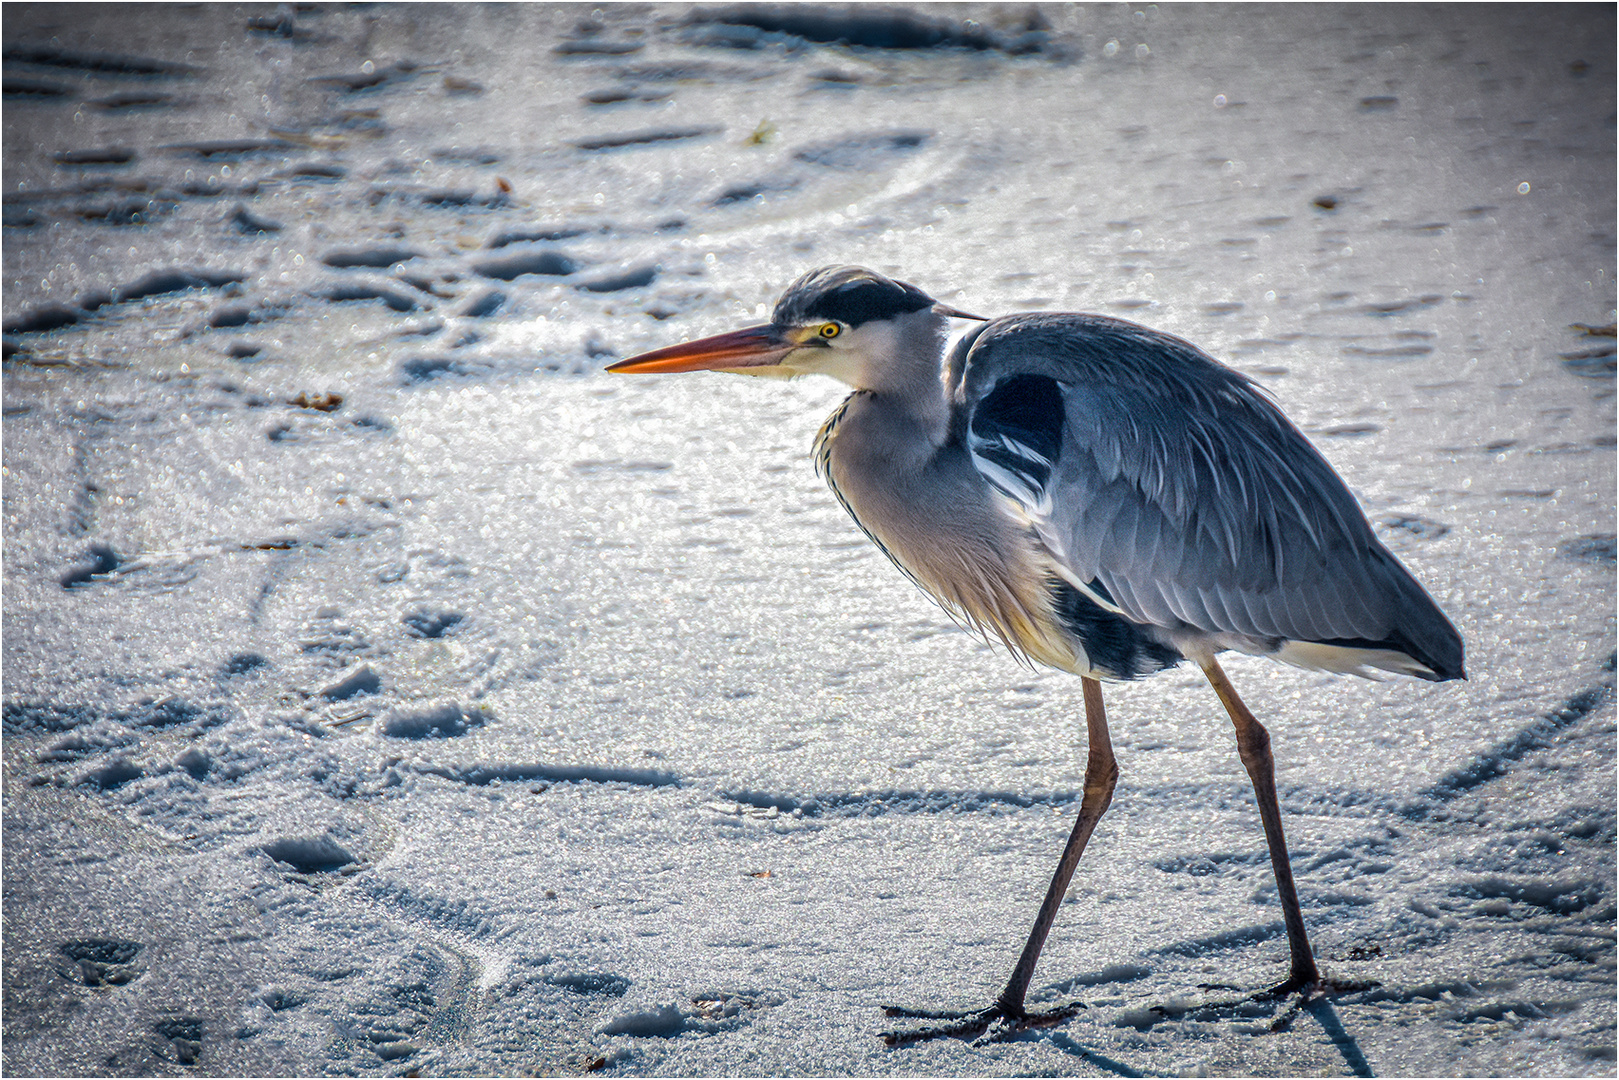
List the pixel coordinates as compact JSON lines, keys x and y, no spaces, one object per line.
{"x":907,"y":388}
{"x":914,"y":491}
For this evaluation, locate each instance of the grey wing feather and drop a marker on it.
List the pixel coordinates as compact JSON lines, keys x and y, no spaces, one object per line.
{"x":1178,"y":487}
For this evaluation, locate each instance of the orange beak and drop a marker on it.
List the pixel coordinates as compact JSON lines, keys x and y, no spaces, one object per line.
{"x":753,"y":346}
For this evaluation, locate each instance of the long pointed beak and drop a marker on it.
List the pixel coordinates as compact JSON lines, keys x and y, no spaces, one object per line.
{"x":751,"y":347}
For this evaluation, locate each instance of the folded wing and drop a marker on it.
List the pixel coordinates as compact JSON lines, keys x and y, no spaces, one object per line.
{"x":1171,"y":490}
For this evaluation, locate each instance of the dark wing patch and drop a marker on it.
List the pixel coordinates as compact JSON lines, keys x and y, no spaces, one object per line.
{"x":1114,"y":645}
{"x":1015,"y":438}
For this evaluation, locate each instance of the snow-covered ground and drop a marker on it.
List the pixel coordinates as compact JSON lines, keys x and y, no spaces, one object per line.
{"x":387,"y":690}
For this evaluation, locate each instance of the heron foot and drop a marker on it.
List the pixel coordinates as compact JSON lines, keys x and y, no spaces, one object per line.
{"x":996,"y":1023}
{"x":1314,"y":986}
{"x":1309,"y":992}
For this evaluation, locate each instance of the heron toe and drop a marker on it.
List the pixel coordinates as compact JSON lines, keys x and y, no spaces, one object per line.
{"x":1005,"y":1021}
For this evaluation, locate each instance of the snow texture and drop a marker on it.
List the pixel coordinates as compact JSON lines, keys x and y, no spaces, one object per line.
{"x":388,"y":690}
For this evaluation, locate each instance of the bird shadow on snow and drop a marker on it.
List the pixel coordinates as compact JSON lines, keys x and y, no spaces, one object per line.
{"x":1281,"y":1014}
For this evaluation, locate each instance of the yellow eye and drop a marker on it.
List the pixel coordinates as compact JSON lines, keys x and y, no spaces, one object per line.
{"x":831,"y":330}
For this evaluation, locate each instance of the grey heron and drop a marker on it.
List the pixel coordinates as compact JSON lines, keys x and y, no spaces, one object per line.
{"x":1101,"y":498}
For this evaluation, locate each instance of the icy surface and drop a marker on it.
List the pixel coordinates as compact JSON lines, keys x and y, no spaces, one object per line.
{"x":386,"y":689}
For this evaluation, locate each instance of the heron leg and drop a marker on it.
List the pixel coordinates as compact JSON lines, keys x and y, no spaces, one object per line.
{"x":1101,"y":773}
{"x":1253,"y":746}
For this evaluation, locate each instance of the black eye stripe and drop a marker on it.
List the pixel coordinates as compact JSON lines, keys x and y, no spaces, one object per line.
{"x":862,"y":301}
{"x":850,"y":295}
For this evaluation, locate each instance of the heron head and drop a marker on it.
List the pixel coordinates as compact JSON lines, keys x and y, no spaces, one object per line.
{"x":843,"y":321}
